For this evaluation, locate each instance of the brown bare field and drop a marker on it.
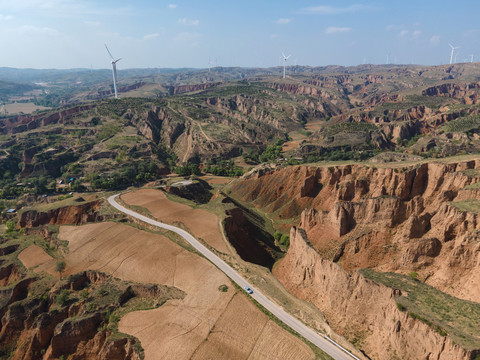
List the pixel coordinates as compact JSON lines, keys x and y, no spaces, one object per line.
{"x":250,"y":334}
{"x":26,"y":108}
{"x":179,"y":328}
{"x":314,"y":125}
{"x":33,"y":256}
{"x":290,"y":145}
{"x":201,"y":223}
{"x":216,"y":180}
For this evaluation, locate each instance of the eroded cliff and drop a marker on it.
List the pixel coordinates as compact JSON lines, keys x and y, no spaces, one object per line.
{"x":362,"y":310}
{"x":417,"y":221}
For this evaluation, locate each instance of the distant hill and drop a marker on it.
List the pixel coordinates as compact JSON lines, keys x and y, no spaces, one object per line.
{"x":166,"y":119}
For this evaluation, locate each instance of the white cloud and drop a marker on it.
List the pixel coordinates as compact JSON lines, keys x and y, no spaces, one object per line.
{"x":187,"y":22}
{"x":435,"y":39}
{"x":35,"y":30}
{"x":283,"y":21}
{"x":151,"y":36}
{"x":273,"y":36}
{"x":416,"y":33}
{"x":337,"y":30}
{"x":172,"y":6}
{"x":403,"y":33}
{"x":5,"y":17}
{"x":331,"y":10}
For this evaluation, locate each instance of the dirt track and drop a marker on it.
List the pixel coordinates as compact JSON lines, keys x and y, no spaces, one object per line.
{"x":179,"y":328}
{"x":201,"y":223}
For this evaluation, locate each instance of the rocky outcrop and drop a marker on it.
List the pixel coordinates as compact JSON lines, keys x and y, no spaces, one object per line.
{"x":299,"y":89}
{"x":22,"y":123}
{"x":468,"y":93}
{"x":122,"y":89}
{"x":391,"y":219}
{"x":180,"y":89}
{"x":196,"y":190}
{"x":360,"y":309}
{"x":40,"y":325}
{"x":75,"y":214}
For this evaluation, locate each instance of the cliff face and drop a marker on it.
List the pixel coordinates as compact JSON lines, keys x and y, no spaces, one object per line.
{"x":468,"y":93}
{"x":21,"y":123}
{"x":359,"y":308}
{"x":75,"y":214}
{"x":180,"y":89}
{"x":390,"y":219}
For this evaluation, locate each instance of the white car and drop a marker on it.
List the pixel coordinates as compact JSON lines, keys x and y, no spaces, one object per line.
{"x":248,"y":290}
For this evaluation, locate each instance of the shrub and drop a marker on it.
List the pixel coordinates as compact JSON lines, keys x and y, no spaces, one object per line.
{"x":62,"y":297}
{"x":277,"y":235}
{"x":223,"y":288}
{"x":413,"y":275}
{"x":10,"y":224}
{"x":285,"y":240}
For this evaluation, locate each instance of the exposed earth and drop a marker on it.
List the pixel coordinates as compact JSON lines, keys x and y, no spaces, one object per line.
{"x":349,"y":195}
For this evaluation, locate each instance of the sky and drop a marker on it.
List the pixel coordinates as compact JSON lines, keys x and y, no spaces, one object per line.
{"x":187,"y":33}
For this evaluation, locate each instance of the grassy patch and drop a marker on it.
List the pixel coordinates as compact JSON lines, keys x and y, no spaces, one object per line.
{"x":457,"y":318}
{"x":471,"y":173}
{"x":462,"y":124}
{"x":474,"y":186}
{"x":470,"y":205}
{"x":349,"y":127}
{"x":411,"y":101}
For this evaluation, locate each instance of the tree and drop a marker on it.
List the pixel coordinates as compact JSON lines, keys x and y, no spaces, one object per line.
{"x":10,"y":224}
{"x":60,"y":267}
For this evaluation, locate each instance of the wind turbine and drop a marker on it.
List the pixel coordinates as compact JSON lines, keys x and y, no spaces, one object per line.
{"x":211,"y":62}
{"x":285,"y":58}
{"x":453,"y":50}
{"x":471,"y":58}
{"x":114,"y":70}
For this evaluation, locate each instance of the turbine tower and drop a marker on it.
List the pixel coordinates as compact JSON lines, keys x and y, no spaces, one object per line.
{"x":453,"y":50}
{"x":471,"y":58}
{"x":211,"y":62}
{"x":455,"y":58}
{"x":285,"y":58}
{"x":114,"y":70}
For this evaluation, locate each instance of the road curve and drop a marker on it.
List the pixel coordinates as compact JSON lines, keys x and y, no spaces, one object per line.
{"x":322,"y":342}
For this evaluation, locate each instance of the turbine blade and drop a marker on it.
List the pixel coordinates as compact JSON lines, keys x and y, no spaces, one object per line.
{"x":283,"y":54}
{"x":109,"y":53}
{"x":115,"y":61}
{"x":451,"y":46}
{"x":288,"y":56}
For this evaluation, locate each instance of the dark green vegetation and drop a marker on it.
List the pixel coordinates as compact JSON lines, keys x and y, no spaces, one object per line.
{"x":460,"y":319}
{"x":463,"y":125}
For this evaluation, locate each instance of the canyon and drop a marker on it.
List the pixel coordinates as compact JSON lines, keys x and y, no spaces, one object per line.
{"x":420,"y":219}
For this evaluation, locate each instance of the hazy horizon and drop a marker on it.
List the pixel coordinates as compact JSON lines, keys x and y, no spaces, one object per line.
{"x":67,"y":34}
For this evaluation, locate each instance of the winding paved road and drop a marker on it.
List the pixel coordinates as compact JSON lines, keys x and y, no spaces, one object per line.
{"x":322,"y":342}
